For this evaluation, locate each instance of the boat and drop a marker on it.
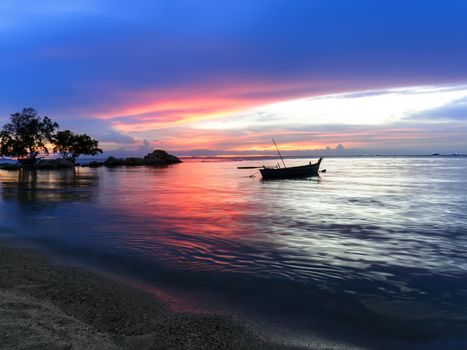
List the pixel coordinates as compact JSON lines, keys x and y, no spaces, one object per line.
{"x":291,"y":172}
{"x":285,"y":172}
{"x":435,"y":154}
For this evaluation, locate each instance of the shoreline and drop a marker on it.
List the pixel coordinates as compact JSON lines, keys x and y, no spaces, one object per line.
{"x":48,"y":306}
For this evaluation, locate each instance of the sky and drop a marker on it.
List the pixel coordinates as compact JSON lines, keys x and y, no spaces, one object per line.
{"x":203,"y":77}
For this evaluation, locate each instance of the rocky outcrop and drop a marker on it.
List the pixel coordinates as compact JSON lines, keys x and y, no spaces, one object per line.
{"x":94,"y":164}
{"x":9,"y":166}
{"x":54,"y":164}
{"x":134,"y":161}
{"x":43,"y":164}
{"x":112,"y":162}
{"x":157,"y":157}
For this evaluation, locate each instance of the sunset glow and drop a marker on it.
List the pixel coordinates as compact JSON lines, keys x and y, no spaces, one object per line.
{"x":233,"y":174}
{"x":203,"y":85}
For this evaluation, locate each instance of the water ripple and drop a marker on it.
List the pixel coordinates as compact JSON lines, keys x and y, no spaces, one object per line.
{"x":388,"y":231}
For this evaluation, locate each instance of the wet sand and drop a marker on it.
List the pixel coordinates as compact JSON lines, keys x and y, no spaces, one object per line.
{"x":46,"y":306}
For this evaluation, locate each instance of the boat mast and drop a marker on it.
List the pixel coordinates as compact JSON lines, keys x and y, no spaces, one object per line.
{"x":277,"y":148}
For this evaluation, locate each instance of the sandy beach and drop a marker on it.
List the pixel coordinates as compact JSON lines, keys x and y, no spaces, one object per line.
{"x":46,"y":306}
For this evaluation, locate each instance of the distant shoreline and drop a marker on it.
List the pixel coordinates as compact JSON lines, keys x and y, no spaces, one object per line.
{"x":43,"y":304}
{"x":85,"y":160}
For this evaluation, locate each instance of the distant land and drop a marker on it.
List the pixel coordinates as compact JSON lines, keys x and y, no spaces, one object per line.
{"x":214,"y":158}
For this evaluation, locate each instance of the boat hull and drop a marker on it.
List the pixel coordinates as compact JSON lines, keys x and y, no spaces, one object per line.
{"x":292,"y":172}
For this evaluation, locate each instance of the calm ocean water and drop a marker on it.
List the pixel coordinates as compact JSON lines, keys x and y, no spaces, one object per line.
{"x":373,"y":253}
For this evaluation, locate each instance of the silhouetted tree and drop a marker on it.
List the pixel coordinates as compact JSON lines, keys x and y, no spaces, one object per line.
{"x":71,"y":146}
{"x":26,"y":136}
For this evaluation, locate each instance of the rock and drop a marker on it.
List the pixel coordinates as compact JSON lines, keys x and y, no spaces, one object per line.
{"x":160,"y":157}
{"x":95,"y":164}
{"x":111,"y":162}
{"x":9,"y":166}
{"x":45,"y":164}
{"x":63,"y":164}
{"x":54,"y":164}
{"x":134,"y":161}
{"x":157,"y":157}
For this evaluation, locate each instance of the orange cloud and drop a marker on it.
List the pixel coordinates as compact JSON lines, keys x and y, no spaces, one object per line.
{"x":152,"y":110}
{"x":185,"y":139}
{"x":172,"y":117}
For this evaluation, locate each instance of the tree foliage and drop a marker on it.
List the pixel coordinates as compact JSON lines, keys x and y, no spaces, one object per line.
{"x":71,"y":145}
{"x":26,"y":136}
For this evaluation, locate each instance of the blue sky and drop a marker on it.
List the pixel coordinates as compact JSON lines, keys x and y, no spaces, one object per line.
{"x":181,"y":74}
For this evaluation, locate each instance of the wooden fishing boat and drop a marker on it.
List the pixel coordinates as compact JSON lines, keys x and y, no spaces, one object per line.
{"x":291,"y":172}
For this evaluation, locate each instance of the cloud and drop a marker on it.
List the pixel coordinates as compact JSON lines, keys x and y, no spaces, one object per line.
{"x":87,"y":55}
{"x":369,"y":108}
{"x":137,"y":149}
{"x":113,"y":136}
{"x":229,"y":75}
{"x":455,"y":111}
{"x":338,"y":150}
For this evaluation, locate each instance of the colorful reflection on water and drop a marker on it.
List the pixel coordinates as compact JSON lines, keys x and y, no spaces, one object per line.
{"x":374,"y":243}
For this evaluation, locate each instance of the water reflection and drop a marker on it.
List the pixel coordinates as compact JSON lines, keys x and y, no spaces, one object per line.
{"x":376,"y":244}
{"x":39,"y":189}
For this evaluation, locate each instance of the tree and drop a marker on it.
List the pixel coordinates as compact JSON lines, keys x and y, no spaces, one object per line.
{"x":71,"y":146}
{"x":26,"y":136}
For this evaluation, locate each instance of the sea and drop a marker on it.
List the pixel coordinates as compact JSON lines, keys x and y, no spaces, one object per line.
{"x":371,"y":254}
